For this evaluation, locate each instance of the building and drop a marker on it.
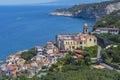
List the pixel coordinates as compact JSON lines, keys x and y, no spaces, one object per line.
{"x":85,"y":29}
{"x":107,"y":30}
{"x":51,"y":48}
{"x":70,"y":42}
{"x":39,"y":49}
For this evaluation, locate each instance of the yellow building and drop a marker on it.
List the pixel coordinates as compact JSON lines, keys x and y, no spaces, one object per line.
{"x":70,"y":42}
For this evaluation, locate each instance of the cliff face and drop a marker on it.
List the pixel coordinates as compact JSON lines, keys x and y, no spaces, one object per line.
{"x":95,"y":10}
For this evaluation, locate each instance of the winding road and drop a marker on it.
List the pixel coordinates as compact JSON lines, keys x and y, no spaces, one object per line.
{"x":99,"y":58}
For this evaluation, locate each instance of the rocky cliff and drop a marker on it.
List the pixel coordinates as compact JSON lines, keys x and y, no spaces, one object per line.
{"x":95,"y":10}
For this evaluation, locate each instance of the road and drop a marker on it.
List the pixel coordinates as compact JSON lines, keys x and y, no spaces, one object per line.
{"x":99,"y":58}
{"x":99,"y":50}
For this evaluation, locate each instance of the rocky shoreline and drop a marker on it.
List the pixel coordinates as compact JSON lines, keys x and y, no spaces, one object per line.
{"x":92,"y":11}
{"x":68,"y":14}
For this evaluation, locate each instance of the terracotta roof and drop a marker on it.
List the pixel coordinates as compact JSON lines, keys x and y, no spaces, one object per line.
{"x":80,"y":56}
{"x":28,"y":65}
{"x":78,"y":51}
{"x":77,"y":37}
{"x":86,"y":36}
{"x":38,"y":61}
{"x":11,"y":66}
{"x":14,"y":72}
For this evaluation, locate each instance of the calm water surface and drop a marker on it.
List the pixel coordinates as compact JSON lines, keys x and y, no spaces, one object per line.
{"x":23,"y":27}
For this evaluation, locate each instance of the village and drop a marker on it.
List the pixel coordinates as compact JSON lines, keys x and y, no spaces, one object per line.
{"x":52,"y":52}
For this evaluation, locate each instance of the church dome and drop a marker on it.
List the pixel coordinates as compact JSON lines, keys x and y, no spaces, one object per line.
{"x":85,"y":25}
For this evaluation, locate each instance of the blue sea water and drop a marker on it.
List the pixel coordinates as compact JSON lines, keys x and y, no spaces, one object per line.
{"x":23,"y":27}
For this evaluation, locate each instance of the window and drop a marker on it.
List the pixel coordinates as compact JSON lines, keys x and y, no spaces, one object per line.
{"x":81,"y":47}
{"x":84,"y":42}
{"x":66,"y":42}
{"x":80,"y":42}
{"x":90,"y":39}
{"x":70,"y":47}
{"x":73,"y":47}
{"x":95,"y":40}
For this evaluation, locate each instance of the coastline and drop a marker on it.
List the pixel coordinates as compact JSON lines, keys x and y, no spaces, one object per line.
{"x":65,"y":14}
{"x":94,"y":10}
{"x":32,"y":29}
{"x":39,"y":59}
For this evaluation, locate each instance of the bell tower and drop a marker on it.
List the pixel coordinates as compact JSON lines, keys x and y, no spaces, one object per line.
{"x":85,"y":29}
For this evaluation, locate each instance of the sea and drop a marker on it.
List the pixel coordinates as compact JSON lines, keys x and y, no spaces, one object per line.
{"x":23,"y":27}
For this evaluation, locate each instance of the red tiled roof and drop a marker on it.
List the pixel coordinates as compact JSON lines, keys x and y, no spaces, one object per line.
{"x":109,"y":28}
{"x":80,"y":56}
{"x":38,"y":61}
{"x":78,"y":51}
{"x":12,"y":66}
{"x":14,"y":72}
{"x":39,"y":47}
{"x":28,"y":65}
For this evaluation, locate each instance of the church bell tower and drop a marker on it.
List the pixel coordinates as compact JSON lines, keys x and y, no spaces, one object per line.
{"x":85,"y":29}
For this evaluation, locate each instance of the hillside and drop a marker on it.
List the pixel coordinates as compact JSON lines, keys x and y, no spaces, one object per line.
{"x":94,"y":10}
{"x":111,"y":20}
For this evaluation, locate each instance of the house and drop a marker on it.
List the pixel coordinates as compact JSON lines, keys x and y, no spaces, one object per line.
{"x":12,"y":69}
{"x":50,"y":45}
{"x":3,"y":67}
{"x":39,"y":49}
{"x":107,"y":30}
{"x":118,"y":14}
{"x":51,"y":48}
{"x":40,"y":57}
{"x":20,"y":62}
{"x":10,"y":58}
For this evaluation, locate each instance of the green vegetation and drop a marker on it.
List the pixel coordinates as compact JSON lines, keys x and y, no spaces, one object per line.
{"x":92,"y":11}
{"x":96,"y":6}
{"x":83,"y":73}
{"x":28,"y":55}
{"x":92,"y":51}
{"x":67,"y":69}
{"x":112,"y":55}
{"x":69,"y":63}
{"x":108,"y":39}
{"x":72,"y":69}
{"x":112,"y":20}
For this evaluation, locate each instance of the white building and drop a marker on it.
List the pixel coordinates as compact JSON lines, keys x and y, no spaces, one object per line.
{"x":39,"y":48}
{"x":107,"y":30}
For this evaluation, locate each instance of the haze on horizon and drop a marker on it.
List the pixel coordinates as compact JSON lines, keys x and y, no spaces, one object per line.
{"x":23,"y":2}
{"x":29,"y":2}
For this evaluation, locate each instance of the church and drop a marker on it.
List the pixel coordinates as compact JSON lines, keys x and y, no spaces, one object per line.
{"x":70,"y":42}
